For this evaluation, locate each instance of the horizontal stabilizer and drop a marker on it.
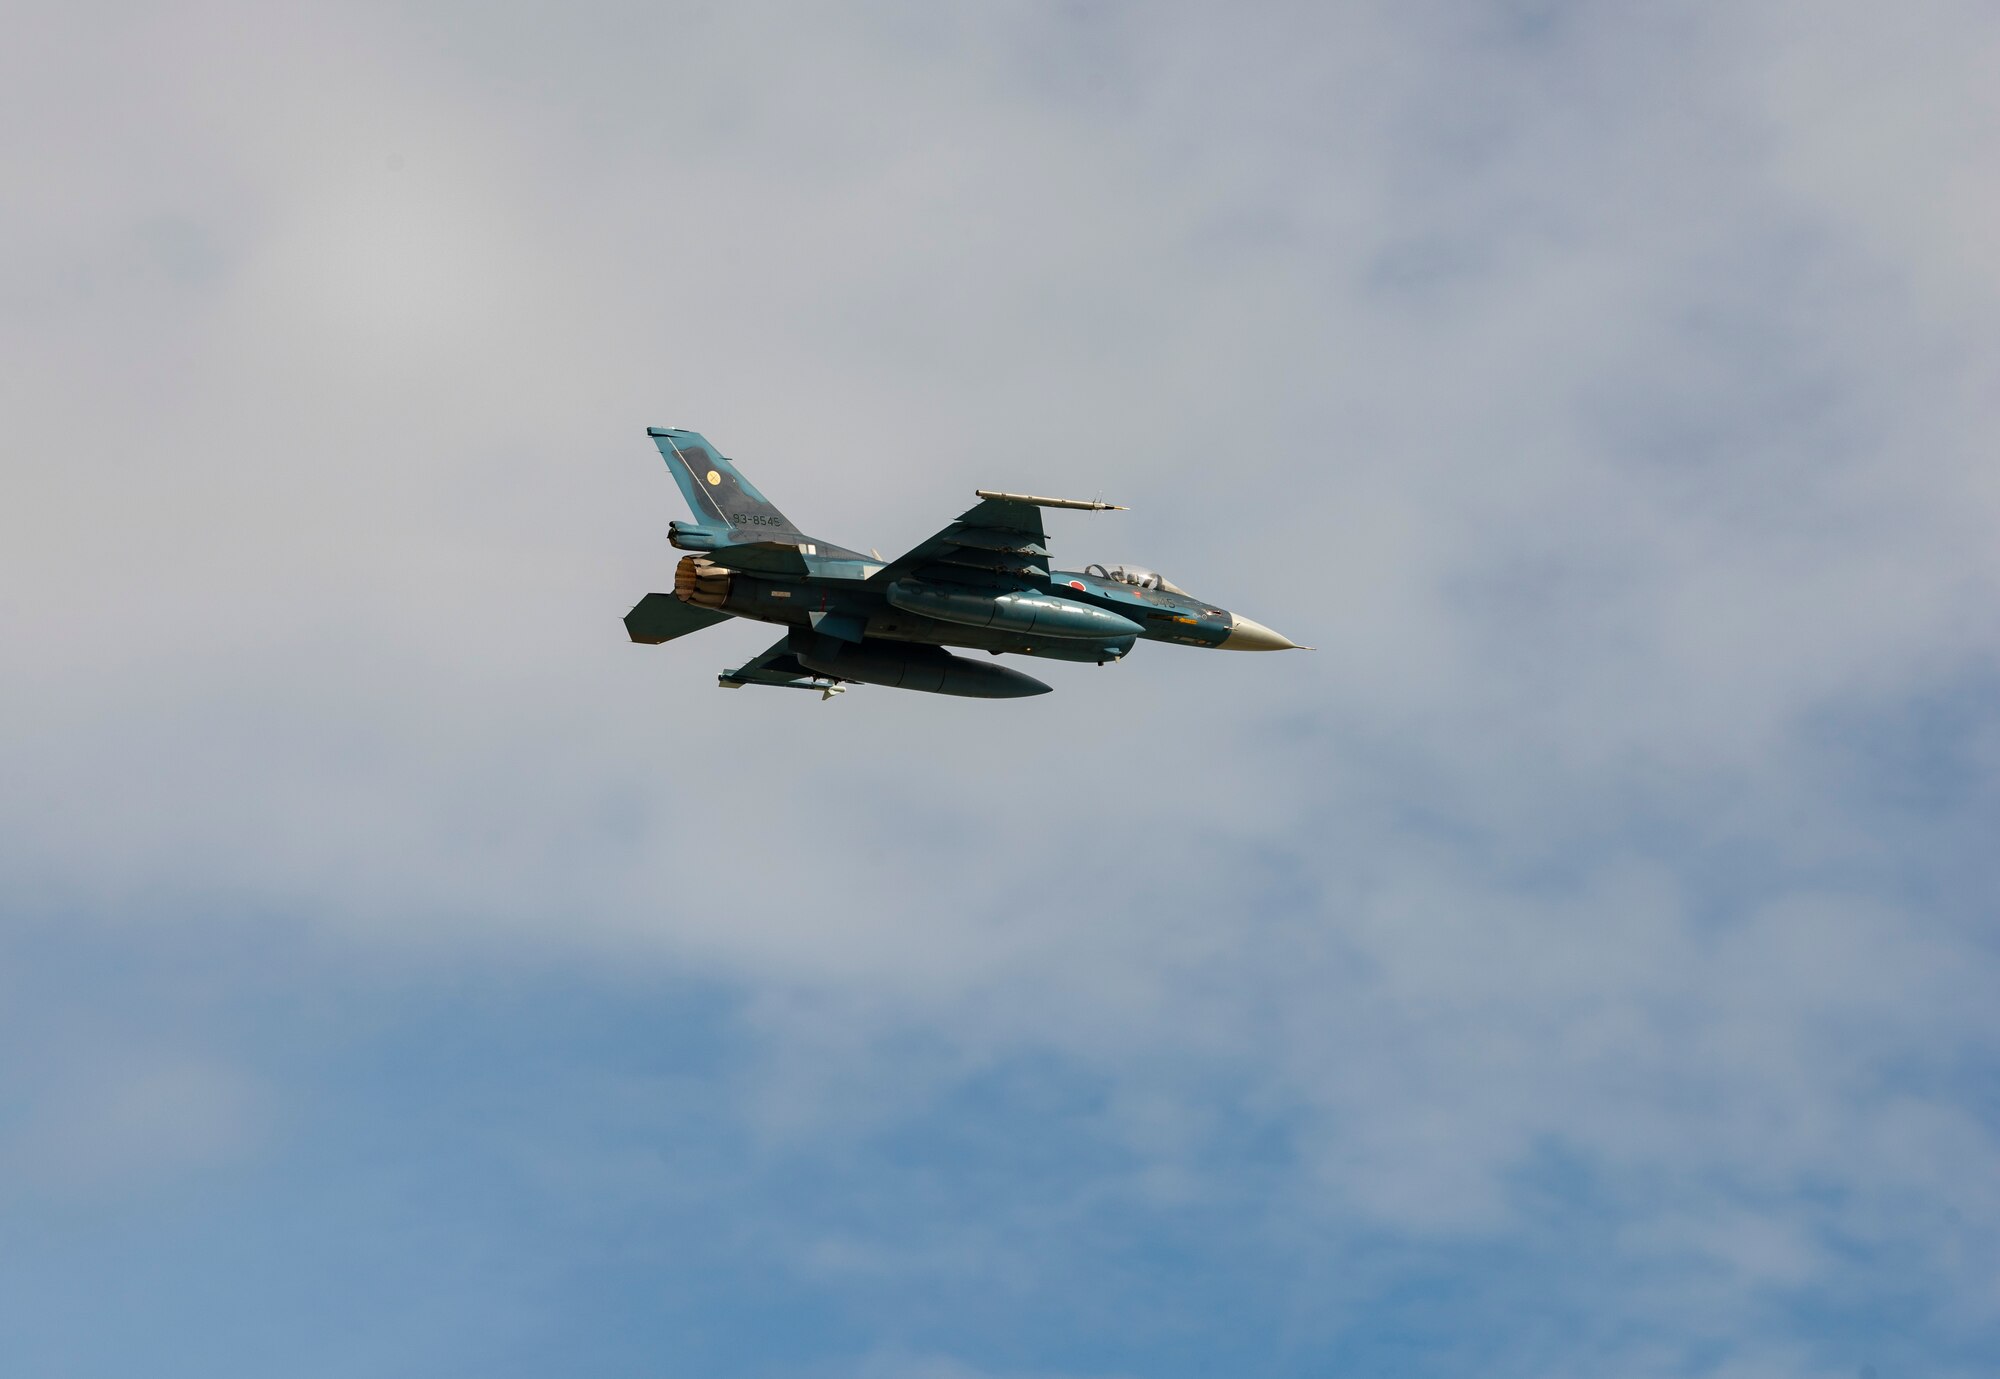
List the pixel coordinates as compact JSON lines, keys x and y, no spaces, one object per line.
{"x":660,"y":618}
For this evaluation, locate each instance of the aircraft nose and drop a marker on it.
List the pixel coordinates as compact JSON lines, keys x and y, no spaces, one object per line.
{"x":1245,"y":635}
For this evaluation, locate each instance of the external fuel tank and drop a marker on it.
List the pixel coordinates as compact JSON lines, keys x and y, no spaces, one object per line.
{"x":1042,"y":615}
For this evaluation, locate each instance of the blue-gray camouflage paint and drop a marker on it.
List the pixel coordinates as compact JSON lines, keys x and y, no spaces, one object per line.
{"x":984,"y":583}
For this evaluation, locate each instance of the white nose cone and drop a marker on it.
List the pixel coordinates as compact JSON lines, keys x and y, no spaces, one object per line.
{"x":1245,"y":635}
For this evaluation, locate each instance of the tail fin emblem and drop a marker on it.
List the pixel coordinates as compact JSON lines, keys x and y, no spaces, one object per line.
{"x":715,"y":476}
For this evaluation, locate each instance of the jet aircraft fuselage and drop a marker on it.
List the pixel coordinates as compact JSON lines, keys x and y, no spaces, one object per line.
{"x":984,"y":583}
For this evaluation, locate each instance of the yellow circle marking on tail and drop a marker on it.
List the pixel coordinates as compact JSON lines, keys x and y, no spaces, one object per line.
{"x":715,"y":476}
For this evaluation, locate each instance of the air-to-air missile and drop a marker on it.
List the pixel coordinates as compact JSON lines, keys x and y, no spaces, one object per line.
{"x":984,"y":583}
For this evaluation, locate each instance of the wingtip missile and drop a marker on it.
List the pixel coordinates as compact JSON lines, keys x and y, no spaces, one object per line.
{"x":1084,"y":504}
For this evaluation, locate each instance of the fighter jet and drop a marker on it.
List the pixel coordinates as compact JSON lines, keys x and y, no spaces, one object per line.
{"x":984,"y":583}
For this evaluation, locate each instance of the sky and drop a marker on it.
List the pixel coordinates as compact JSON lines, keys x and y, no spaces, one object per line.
{"x":1580,"y":967}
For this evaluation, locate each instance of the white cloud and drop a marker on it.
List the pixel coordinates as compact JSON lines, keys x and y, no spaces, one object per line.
{"x":1609,"y":401}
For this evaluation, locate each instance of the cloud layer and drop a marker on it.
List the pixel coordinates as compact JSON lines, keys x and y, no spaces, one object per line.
{"x":1578,"y":966}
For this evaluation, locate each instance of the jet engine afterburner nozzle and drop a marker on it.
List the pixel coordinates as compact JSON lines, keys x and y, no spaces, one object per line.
{"x":701,"y":582}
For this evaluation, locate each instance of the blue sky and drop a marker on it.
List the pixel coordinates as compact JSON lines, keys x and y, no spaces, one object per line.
{"x":1582,"y":965}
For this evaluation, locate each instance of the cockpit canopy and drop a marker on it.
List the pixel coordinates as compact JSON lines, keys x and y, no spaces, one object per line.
{"x":1133,"y":575}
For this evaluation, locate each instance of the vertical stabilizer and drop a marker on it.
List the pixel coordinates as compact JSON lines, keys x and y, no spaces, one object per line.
{"x":717,"y":494}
